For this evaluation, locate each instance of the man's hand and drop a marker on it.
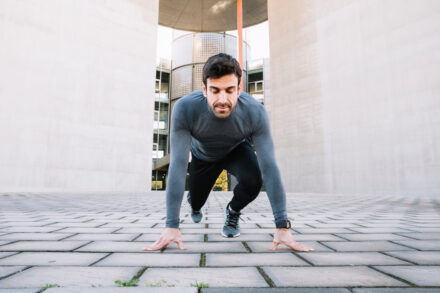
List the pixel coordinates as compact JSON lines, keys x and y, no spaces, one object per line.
{"x":168,"y":235}
{"x":284,"y":236}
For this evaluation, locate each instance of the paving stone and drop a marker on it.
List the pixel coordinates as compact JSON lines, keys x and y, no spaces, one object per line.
{"x":207,"y":247}
{"x":77,"y":225}
{"x":380,"y":230}
{"x":28,"y":290}
{"x":274,"y":290}
{"x":5,"y":254}
{"x":87,"y":230}
{"x":422,"y":236}
{"x":52,"y":259}
{"x":5,"y":271}
{"x":4,"y":242}
{"x":114,"y":246}
{"x":243,"y":237}
{"x":253,"y":259}
{"x":185,"y":237}
{"x":422,"y":244}
{"x":151,"y":260}
{"x":418,"y":275}
{"x":69,"y":276}
{"x":264,"y":246}
{"x":318,"y":237}
{"x":426,"y":230}
{"x":103,"y":237}
{"x":395,"y":290}
{"x":156,"y":231}
{"x":215,"y":277}
{"x":372,"y":237}
{"x":418,"y":257}
{"x":322,"y":230}
{"x":42,"y":246}
{"x":365,"y":246}
{"x":34,"y":236}
{"x":31,"y":229}
{"x":329,"y":277}
{"x":121,"y":290}
{"x":350,"y":258}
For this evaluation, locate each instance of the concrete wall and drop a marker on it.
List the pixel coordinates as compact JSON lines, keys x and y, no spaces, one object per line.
{"x":76,"y":91}
{"x":355,"y":95}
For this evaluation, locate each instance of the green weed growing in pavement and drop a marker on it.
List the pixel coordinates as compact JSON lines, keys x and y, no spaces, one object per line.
{"x":47,"y":286}
{"x":200,"y":285}
{"x":162,"y":283}
{"x":132,"y":283}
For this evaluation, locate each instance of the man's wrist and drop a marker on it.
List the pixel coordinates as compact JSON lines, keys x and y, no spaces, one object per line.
{"x":284,"y":224}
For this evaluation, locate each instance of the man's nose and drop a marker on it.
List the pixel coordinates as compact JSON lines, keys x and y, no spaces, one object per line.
{"x":223,"y":97}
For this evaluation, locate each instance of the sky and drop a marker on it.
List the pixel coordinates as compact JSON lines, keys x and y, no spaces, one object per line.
{"x":257,"y":37}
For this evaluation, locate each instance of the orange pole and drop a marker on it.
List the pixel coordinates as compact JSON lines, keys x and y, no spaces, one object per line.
{"x":240,"y":37}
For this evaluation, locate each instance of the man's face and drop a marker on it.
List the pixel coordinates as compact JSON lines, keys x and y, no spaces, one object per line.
{"x":222,"y":94}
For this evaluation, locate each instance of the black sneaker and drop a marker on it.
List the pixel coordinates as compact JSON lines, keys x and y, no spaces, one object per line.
{"x":231,"y":228}
{"x":196,"y":216}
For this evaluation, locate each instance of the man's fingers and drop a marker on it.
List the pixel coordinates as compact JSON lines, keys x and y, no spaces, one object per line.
{"x":180,"y":245}
{"x":298,"y":247}
{"x":157,"y":245}
{"x":275,"y":245}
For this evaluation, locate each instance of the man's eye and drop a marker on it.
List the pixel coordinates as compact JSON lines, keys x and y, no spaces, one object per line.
{"x":215,"y":92}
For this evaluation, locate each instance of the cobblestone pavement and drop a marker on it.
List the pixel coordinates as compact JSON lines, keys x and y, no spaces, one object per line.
{"x":86,"y":242}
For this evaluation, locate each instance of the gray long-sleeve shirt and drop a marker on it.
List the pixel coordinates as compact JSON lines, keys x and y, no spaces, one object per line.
{"x":195,"y":127}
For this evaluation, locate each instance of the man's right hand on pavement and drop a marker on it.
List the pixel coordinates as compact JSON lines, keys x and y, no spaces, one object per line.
{"x":168,"y":235}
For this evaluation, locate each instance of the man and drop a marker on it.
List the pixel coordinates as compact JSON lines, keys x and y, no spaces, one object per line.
{"x":217,"y":125}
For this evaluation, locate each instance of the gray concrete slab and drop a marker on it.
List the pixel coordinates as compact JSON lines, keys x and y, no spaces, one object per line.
{"x":8,"y":270}
{"x":372,"y":237}
{"x":151,"y":260}
{"x":350,"y":258}
{"x":214,"y":277}
{"x":322,"y":230}
{"x":365,"y":246}
{"x":422,"y":236}
{"x":121,"y":290}
{"x":42,"y":246}
{"x":34,"y":236}
{"x":31,"y":229}
{"x":275,"y":290}
{"x":421,"y":244}
{"x":52,"y":259}
{"x":329,"y":277}
{"x":5,"y":254}
{"x":418,"y":257}
{"x":69,"y":276}
{"x":395,"y":290}
{"x":207,"y":247}
{"x":253,"y":259}
{"x":243,"y":237}
{"x":114,"y":246}
{"x":264,"y":246}
{"x":103,"y":237}
{"x":86,"y":230}
{"x":418,"y":275}
{"x":28,"y":290}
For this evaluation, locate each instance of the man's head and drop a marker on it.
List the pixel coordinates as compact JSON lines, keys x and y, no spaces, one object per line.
{"x":221,"y":81}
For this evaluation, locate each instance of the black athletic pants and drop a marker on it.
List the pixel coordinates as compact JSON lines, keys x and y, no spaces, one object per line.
{"x":240,"y":162}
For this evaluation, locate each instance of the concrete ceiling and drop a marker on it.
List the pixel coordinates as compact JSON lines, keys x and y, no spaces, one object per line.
{"x":210,"y":15}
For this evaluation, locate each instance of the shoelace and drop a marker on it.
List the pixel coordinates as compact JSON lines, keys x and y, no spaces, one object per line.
{"x":232,"y":220}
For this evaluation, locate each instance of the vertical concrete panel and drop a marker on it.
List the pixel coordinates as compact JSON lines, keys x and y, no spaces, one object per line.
{"x":77,"y":86}
{"x":374,"y":65}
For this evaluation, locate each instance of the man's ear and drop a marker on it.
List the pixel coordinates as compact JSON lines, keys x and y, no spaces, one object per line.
{"x":204,"y":91}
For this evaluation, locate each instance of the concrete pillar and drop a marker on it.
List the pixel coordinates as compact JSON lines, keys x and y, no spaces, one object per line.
{"x":355,"y":96}
{"x":76,"y":91}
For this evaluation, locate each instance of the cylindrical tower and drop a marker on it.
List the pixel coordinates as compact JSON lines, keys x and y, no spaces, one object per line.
{"x":190,"y":52}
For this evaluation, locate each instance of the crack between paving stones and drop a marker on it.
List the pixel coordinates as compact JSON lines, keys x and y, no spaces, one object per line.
{"x":134,"y":239}
{"x":105,"y":256}
{"x":393,"y":276}
{"x":385,"y":253}
{"x":74,"y":234}
{"x":14,"y":273}
{"x":302,"y":258}
{"x":139,"y":273}
{"x":409,"y":237}
{"x":266,"y":277}
{"x":405,"y":245}
{"x":334,"y":250}
{"x":81,"y":246}
{"x":114,"y":232}
{"x":248,"y":249}
{"x":202,"y":259}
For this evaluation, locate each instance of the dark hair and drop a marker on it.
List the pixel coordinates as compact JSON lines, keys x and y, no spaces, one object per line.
{"x":220,"y":65}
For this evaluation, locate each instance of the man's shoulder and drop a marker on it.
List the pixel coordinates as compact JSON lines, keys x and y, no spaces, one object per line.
{"x":251,"y":105}
{"x":192,"y":98}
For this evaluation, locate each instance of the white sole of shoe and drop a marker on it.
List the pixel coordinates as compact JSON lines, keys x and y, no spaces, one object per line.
{"x":230,"y":237}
